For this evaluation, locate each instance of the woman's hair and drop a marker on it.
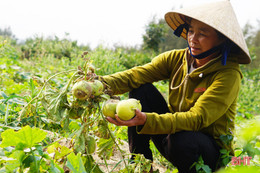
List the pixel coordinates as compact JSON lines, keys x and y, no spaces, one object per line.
{"x":220,"y":35}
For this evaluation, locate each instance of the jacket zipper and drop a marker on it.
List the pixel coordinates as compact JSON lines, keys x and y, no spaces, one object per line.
{"x":186,"y":80}
{"x":184,"y":91}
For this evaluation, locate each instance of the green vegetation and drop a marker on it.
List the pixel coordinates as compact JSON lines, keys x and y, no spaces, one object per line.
{"x":36,"y":78}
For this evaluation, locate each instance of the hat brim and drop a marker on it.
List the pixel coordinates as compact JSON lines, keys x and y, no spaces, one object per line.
{"x":231,"y":30}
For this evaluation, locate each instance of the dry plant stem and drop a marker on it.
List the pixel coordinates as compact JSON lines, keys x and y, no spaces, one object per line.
{"x":113,"y":138}
{"x":38,"y":95}
{"x":90,"y":122}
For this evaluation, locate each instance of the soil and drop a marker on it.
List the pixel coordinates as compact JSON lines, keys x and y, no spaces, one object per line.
{"x":113,"y":161}
{"x":118,"y":157}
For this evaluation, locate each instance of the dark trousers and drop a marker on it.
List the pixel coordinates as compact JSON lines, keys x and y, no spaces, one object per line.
{"x":183,"y":148}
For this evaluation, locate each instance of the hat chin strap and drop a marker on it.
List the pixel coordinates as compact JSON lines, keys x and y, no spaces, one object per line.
{"x":224,"y":48}
{"x":206,"y":53}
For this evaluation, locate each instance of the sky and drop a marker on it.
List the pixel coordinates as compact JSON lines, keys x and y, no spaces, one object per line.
{"x":94,"y":22}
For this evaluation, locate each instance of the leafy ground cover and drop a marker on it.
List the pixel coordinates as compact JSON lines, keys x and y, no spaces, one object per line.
{"x":38,"y":135}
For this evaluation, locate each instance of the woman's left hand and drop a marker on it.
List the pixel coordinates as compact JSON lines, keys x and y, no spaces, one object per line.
{"x":139,"y":119}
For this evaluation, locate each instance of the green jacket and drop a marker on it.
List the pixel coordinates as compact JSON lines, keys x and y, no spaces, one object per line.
{"x":204,"y":100}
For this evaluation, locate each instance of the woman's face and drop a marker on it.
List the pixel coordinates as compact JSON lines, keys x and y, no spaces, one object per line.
{"x":202,"y":37}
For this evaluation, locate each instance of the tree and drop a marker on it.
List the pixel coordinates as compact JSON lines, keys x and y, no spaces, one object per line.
{"x":171,"y":41}
{"x":7,"y":32}
{"x":160,"y":38}
{"x":248,"y":32}
{"x":252,"y":36}
{"x":153,"y":36}
{"x":257,"y":36}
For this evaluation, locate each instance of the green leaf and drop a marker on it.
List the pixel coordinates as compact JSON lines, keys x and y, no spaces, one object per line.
{"x":105,"y":96}
{"x":12,"y":165}
{"x":2,"y":109}
{"x":55,"y":168}
{"x":103,"y":130}
{"x":257,"y":144}
{"x":223,"y":151}
{"x":240,"y":169}
{"x":206,"y":168}
{"x":20,"y":146}
{"x":251,"y":131}
{"x":251,"y":150}
{"x":55,"y":103}
{"x":13,"y":161}
{"x":39,"y":149}
{"x":74,"y":126}
{"x":26,"y":137}
{"x":4,"y":95}
{"x":141,"y":164}
{"x":75,"y":163}
{"x":32,"y":87}
{"x":238,"y":153}
{"x":28,"y":161}
{"x":81,"y":140}
{"x":90,"y":164}
{"x":198,"y":167}
{"x":59,"y":150}
{"x":226,"y":139}
{"x":13,"y":98}
{"x":105,"y":148}
{"x":225,"y":160}
{"x":18,"y":155}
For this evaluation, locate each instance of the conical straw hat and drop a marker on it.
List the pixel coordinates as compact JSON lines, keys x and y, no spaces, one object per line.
{"x":219,"y":15}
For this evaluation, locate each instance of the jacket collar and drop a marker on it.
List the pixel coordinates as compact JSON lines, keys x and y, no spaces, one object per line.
{"x":212,"y":66}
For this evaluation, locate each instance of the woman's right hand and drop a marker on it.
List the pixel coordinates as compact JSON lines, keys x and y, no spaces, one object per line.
{"x":139,"y":119}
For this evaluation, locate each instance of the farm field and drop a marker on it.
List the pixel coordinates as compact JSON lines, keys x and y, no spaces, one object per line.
{"x":44,"y":129}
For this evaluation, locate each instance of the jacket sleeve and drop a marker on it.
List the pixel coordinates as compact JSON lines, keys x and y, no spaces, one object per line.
{"x":210,"y":106}
{"x":158,"y":69}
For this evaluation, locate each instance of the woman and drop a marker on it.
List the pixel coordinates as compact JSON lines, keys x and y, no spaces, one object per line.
{"x":204,"y":84}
